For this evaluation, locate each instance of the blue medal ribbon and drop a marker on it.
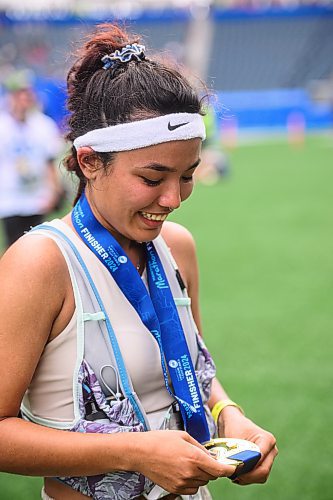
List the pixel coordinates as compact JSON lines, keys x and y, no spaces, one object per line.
{"x":156,"y":310}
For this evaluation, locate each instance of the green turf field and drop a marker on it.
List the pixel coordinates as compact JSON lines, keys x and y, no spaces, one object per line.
{"x":265,"y":244}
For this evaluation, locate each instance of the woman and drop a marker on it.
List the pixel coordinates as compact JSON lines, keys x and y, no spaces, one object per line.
{"x":85,"y":347}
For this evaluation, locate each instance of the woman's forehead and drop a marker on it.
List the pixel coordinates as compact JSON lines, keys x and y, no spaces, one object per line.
{"x":168,"y":154}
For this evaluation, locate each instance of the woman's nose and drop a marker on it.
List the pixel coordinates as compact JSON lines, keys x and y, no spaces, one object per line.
{"x":171,"y":197}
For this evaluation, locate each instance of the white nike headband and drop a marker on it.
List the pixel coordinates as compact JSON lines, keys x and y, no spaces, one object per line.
{"x":143,"y":133}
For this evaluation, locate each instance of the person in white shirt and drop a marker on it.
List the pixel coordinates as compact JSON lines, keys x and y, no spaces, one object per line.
{"x":30,"y":142}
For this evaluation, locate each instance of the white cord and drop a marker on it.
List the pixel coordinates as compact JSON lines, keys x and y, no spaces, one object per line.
{"x":117,"y":395}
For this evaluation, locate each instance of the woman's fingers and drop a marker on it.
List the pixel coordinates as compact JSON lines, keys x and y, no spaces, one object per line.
{"x":260,"y":473}
{"x":209,"y":465}
{"x":266,"y":443}
{"x":215,"y":469}
{"x":193,"y":468}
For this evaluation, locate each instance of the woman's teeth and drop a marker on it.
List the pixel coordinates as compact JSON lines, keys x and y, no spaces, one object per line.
{"x":159,"y":217}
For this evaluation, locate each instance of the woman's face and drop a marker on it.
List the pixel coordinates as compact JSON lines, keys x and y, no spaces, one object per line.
{"x":141,"y":187}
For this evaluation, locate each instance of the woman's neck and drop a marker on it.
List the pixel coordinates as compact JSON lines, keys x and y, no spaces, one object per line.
{"x":134,"y":250}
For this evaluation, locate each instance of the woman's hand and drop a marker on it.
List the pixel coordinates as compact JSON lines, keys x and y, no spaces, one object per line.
{"x":175,"y":461}
{"x":232,"y":423}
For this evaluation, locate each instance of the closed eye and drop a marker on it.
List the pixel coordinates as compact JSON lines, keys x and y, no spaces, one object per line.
{"x":150,"y":182}
{"x":187,"y":179}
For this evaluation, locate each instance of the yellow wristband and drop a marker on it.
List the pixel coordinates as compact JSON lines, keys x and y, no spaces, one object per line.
{"x":220,"y":405}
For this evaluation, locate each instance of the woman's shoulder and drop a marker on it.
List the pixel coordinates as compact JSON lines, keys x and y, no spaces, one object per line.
{"x":176,"y":235}
{"x":33,"y":248}
{"x":36,"y":262}
{"x":182,"y":246}
{"x":37,"y":285}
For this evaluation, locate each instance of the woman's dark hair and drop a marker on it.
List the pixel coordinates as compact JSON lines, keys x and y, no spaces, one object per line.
{"x":128,"y":91}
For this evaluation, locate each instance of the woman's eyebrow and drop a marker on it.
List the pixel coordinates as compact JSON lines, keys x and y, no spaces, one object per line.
{"x":163,"y":168}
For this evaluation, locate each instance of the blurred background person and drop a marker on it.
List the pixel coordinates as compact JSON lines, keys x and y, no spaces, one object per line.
{"x":214,"y":162}
{"x":30,"y":187}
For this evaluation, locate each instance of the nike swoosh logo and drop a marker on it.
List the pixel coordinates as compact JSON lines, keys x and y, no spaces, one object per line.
{"x":173,"y":127}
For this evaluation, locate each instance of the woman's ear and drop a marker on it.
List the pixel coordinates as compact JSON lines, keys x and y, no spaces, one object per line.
{"x":88,"y":161}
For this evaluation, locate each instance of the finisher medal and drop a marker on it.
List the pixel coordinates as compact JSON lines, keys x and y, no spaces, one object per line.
{"x":239,"y":452}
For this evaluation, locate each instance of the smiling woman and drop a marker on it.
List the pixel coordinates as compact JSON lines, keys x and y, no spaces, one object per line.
{"x":113,"y":365}
{"x":156,"y":179}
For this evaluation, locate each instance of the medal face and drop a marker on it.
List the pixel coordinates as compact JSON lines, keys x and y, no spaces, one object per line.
{"x":238,"y":452}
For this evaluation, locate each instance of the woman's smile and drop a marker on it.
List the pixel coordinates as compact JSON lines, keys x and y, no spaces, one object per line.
{"x":153,"y":220}
{"x":154,"y":217}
